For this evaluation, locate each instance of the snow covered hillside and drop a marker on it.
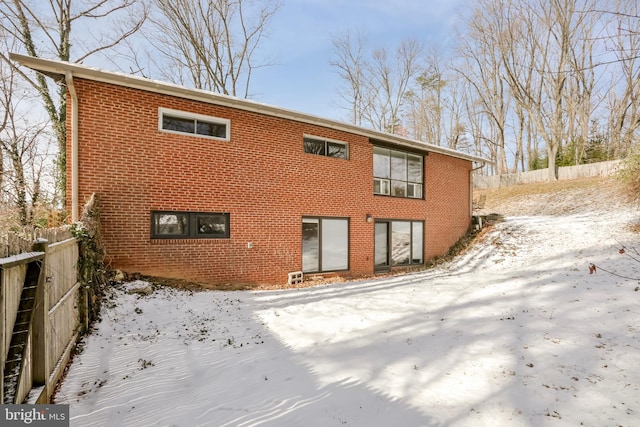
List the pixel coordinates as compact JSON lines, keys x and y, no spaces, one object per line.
{"x":515,"y":332}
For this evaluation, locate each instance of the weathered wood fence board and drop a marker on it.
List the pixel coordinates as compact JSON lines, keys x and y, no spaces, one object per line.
{"x":26,"y":379}
{"x":26,"y":273}
{"x":563,"y":173}
{"x":54,"y":327}
{"x":12,"y":244}
{"x":62,"y":309}
{"x":12,"y":280}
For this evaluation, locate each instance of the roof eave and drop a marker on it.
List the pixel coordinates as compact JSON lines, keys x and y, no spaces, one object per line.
{"x":57,"y":70}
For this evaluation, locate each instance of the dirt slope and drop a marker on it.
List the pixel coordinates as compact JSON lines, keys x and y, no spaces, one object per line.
{"x":558,"y":198}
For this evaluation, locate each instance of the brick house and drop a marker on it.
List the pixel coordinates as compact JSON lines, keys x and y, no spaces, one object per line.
{"x":215,"y":189}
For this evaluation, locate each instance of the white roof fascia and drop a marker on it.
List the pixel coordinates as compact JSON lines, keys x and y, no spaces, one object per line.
{"x":55,"y":68}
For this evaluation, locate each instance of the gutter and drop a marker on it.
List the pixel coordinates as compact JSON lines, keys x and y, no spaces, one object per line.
{"x":56,"y":69}
{"x":74,"y":145}
{"x":482,"y":164}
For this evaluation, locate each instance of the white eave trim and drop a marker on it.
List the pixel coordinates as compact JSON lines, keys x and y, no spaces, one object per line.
{"x":55,"y":68}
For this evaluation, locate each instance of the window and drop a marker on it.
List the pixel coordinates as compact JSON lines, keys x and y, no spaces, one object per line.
{"x":398,"y":243}
{"x":397,"y":173}
{"x":406,"y":242}
{"x":189,"y":225}
{"x":175,"y":121}
{"x":325,"y":244}
{"x":325,"y":147}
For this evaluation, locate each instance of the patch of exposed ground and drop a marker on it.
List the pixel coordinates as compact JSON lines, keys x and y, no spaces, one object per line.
{"x":313,"y":280}
{"x":555,"y":198}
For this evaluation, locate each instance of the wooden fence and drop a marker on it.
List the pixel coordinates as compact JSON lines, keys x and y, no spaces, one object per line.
{"x":542,"y":175}
{"x":46,"y":262}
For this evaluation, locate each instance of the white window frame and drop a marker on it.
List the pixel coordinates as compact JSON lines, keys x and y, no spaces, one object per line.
{"x":417,"y":188}
{"x":385,"y":186}
{"x":197,"y":117}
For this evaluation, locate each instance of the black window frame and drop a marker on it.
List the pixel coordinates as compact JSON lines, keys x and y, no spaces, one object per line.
{"x":192,"y":123}
{"x":388,"y":181}
{"x":412,"y":257}
{"x":390,"y":243}
{"x":320,"y":220}
{"x":323,"y":146}
{"x":190,"y":225}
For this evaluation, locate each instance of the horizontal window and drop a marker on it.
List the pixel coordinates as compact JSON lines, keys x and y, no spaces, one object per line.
{"x":175,"y":121}
{"x":325,"y":147}
{"x":189,"y":225}
{"x":397,"y":173}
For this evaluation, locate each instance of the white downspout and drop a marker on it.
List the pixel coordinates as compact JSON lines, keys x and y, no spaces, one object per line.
{"x":482,"y":164}
{"x":74,"y":146}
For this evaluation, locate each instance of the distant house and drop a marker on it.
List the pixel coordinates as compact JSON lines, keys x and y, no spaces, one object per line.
{"x":210,"y":188}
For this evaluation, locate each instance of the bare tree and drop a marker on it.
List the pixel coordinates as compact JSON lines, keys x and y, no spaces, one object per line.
{"x":349,"y":63}
{"x":623,"y":100}
{"x":456,"y":130}
{"x":45,"y":29}
{"x":23,"y":144}
{"x":211,"y":44}
{"x":536,"y":73}
{"x":476,"y":128}
{"x":424,"y":99}
{"x":377,"y":83}
{"x":539,"y":37}
{"x":537,"y":67}
{"x":388,"y":80}
{"x":6,"y":85}
{"x":483,"y":68}
{"x":582,"y":96}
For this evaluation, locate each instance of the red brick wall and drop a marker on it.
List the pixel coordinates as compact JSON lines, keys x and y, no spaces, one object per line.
{"x":262,"y":177}
{"x":448,"y":202}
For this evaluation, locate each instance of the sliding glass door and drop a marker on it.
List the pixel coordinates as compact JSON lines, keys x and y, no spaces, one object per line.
{"x":398,"y":243}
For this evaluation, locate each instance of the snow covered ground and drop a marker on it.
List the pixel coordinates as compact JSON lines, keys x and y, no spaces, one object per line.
{"x":516,"y":332}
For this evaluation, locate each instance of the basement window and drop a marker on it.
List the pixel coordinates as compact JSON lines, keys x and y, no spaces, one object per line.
{"x":189,"y":225}
{"x":175,"y":121}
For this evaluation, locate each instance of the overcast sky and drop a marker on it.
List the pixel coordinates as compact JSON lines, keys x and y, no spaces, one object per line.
{"x":299,"y":44}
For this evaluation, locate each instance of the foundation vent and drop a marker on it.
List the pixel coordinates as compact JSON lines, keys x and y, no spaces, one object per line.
{"x":295,"y":277}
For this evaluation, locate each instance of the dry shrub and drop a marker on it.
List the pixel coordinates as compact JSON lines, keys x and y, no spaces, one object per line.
{"x":629,"y":174}
{"x":8,"y":218}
